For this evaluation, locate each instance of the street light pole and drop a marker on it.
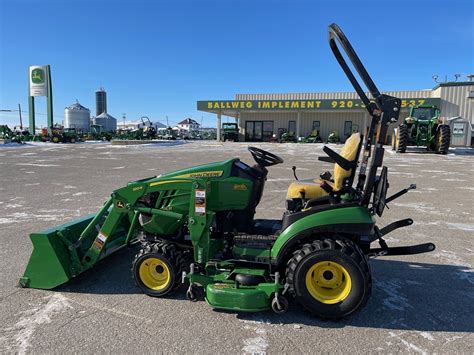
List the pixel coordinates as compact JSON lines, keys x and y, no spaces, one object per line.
{"x":21,"y":121}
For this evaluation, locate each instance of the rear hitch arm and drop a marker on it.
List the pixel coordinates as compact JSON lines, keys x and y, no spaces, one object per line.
{"x":404,"y":250}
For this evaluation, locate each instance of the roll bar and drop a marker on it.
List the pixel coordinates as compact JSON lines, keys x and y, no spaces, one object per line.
{"x":335,"y":33}
{"x":383,"y":110}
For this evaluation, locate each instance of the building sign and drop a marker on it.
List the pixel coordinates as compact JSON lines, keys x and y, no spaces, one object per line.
{"x":300,"y":105}
{"x":38,"y":81}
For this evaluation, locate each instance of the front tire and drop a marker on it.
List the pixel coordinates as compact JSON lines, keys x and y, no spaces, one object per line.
{"x":157,"y":268}
{"x":330,"y":278}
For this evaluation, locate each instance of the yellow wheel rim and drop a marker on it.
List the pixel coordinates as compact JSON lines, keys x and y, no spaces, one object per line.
{"x":440,"y":139}
{"x":328,"y":282}
{"x":155,"y":274}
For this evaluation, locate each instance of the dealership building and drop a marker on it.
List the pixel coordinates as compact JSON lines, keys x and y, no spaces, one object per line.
{"x":263,"y":116}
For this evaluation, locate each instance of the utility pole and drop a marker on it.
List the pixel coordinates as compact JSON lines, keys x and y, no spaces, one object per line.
{"x":21,"y":122}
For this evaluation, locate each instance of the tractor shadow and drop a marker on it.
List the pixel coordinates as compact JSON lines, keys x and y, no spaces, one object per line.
{"x":110,"y":276}
{"x":405,"y":296}
{"x":452,"y":151}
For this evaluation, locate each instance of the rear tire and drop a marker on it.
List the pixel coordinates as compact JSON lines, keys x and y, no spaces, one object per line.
{"x":331,"y":278}
{"x":157,"y":268}
{"x":443,"y":138}
{"x":401,"y":139}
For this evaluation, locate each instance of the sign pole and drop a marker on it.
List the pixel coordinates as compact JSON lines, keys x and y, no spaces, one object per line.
{"x":31,"y":112}
{"x":49,"y":99}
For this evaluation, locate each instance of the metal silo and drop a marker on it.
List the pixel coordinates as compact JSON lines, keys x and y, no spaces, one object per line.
{"x":108,"y":122}
{"x":78,"y":117}
{"x":100,"y":102}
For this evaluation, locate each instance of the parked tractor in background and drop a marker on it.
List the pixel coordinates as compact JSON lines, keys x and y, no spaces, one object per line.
{"x":230,"y":132}
{"x":149,"y":132}
{"x":313,"y":137}
{"x":63,"y":135}
{"x":288,"y":137}
{"x":423,"y":127}
{"x":167,"y":134}
{"x":5,"y":132}
{"x":333,"y":137}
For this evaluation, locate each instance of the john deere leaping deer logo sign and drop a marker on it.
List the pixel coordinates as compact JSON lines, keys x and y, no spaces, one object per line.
{"x":37,"y":76}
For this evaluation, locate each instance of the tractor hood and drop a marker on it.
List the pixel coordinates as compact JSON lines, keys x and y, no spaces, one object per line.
{"x":211,"y":170}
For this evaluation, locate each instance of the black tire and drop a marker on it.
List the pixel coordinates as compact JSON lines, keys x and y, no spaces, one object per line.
{"x":401,"y":139}
{"x":170,"y":264}
{"x":356,"y":286}
{"x":443,"y":138}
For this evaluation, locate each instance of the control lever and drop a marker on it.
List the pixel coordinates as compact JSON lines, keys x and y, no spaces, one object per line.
{"x":294,"y":172}
{"x":400,"y":193}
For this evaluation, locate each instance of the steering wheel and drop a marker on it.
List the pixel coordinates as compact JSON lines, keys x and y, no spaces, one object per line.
{"x":264,"y":158}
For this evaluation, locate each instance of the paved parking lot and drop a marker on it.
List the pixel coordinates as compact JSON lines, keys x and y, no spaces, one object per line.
{"x":421,"y":303}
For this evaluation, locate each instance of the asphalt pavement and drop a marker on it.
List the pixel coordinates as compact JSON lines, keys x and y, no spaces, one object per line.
{"x":420,"y":303}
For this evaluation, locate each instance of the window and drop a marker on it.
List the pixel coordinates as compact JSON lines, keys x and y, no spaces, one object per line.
{"x":347,"y":128}
{"x":267,"y":130}
{"x":253,"y":131}
{"x":316,"y":125}
{"x":292,"y":126}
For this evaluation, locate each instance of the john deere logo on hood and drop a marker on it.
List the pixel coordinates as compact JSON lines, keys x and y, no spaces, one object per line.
{"x":37,"y":76}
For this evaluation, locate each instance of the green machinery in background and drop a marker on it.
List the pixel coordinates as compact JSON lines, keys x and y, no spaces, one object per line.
{"x":97,"y":132}
{"x":423,"y":127}
{"x":230,"y":132}
{"x":313,"y":137}
{"x":333,"y":137}
{"x":288,"y":137}
{"x":5,"y":132}
{"x":196,"y":226}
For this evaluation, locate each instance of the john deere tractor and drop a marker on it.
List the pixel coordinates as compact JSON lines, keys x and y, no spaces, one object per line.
{"x":230,"y":132}
{"x":313,"y":137}
{"x":197,"y":226}
{"x":423,"y":127}
{"x":333,"y":137}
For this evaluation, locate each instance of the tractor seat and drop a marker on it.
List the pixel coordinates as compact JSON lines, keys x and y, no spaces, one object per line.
{"x":316,"y":188}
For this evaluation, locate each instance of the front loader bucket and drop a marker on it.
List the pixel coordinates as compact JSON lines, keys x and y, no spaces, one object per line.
{"x":65,"y":251}
{"x":52,"y":261}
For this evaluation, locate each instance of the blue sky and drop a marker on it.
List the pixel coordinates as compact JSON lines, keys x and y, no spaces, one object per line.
{"x":157,"y":58}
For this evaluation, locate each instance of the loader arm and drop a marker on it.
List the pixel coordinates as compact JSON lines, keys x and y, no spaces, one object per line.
{"x":65,"y":251}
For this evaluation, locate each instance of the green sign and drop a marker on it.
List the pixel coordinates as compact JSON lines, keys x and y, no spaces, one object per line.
{"x":37,"y":76}
{"x":299,"y":105}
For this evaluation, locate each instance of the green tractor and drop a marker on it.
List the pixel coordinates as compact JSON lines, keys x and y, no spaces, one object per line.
{"x":333,"y":137}
{"x":288,"y":137}
{"x":196,"y":226}
{"x":63,"y":135}
{"x":230,"y":132}
{"x":6,"y":133}
{"x":423,"y":127}
{"x":313,"y":137}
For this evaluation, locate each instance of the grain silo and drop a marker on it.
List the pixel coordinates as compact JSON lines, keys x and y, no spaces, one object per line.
{"x":100,"y":102}
{"x":78,"y":117}
{"x":108,"y":122}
